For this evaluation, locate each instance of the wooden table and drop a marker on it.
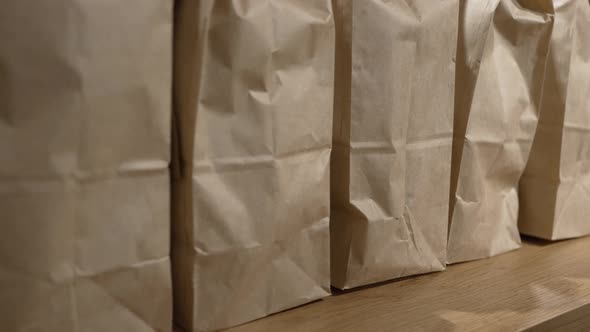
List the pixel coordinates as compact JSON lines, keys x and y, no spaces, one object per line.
{"x":542,"y":287}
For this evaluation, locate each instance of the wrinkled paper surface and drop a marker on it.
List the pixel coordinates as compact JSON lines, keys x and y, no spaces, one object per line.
{"x":84,"y":184}
{"x":554,"y":189}
{"x":501,"y":58}
{"x":254,"y":94}
{"x":392,"y":138}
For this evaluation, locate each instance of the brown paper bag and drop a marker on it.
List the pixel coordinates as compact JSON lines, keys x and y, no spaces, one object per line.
{"x":501,"y":59}
{"x":254,"y":91}
{"x":392,"y":138}
{"x":84,"y":152}
{"x":553,"y":189}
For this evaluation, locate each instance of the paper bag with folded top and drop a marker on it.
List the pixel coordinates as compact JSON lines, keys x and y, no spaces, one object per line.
{"x":84,"y":152}
{"x":392,"y":138}
{"x":501,"y":59}
{"x":253,"y":95}
{"x":554,"y":194}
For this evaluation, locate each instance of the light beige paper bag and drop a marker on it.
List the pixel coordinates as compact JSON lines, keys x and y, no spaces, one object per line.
{"x":392,"y":138}
{"x":84,"y":151}
{"x":501,"y":59}
{"x":254,"y":93}
{"x":554,"y":188}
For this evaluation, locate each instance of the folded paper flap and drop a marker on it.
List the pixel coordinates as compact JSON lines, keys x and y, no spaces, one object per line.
{"x":370,"y":259}
{"x":539,"y":6}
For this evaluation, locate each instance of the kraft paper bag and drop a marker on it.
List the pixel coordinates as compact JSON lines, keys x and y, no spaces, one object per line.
{"x":393,"y":126}
{"x":553,"y":189}
{"x":84,"y":184}
{"x":501,"y":60}
{"x":254,"y":94}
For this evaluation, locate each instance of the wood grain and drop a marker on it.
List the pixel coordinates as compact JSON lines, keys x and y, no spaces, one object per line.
{"x":576,"y":320}
{"x":539,"y":287}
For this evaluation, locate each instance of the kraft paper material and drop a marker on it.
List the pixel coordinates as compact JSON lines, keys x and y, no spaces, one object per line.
{"x":393,"y":125}
{"x":84,"y":153}
{"x":555,"y":201}
{"x":253,"y":94}
{"x":501,"y":60}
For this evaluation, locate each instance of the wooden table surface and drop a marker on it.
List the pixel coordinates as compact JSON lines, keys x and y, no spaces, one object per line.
{"x":542,"y":287}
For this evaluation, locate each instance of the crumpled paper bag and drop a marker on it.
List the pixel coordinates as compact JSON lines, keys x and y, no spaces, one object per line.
{"x":501,"y":59}
{"x":84,"y":152}
{"x":392,"y":138}
{"x":554,"y":194}
{"x":253,"y":95}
